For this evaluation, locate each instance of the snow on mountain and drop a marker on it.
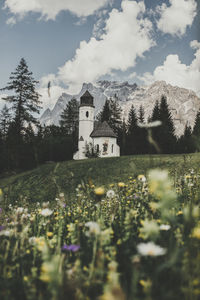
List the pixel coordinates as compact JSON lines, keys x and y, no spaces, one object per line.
{"x":183,"y":103}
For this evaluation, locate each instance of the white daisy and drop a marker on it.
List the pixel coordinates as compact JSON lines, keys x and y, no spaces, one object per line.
{"x":150,"y":249}
{"x":46,"y":212}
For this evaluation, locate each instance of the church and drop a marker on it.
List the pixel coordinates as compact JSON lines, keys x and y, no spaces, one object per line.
{"x":101,"y":135}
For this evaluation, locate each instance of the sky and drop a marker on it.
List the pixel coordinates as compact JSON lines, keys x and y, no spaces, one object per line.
{"x":69,"y":42}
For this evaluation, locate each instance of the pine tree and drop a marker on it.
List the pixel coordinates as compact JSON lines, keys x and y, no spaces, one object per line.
{"x":156,"y":112}
{"x":186,"y":141}
{"x":5,"y":119}
{"x":132,"y":132}
{"x":70,"y":120}
{"x":141,"y":114}
{"x":163,"y":135}
{"x":111,"y":113}
{"x":69,"y":116}
{"x":167,"y":137}
{"x":105,"y":114}
{"x":115,"y":121}
{"x":196,"y":132}
{"x":25,"y":101}
{"x":142,"y":138}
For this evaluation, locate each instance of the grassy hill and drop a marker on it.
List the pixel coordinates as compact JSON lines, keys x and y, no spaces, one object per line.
{"x":46,"y":181}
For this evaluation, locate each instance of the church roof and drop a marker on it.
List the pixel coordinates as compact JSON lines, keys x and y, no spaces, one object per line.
{"x":87,"y":99}
{"x":103,"y":130}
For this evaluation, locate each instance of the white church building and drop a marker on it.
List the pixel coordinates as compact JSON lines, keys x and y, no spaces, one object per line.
{"x":101,"y":136}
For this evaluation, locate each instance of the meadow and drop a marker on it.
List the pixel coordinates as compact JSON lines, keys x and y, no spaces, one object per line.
{"x":121,"y":228}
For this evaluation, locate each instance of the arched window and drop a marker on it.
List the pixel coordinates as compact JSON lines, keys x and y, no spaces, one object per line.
{"x":87,"y":114}
{"x":112,"y":148}
{"x":105,"y":147}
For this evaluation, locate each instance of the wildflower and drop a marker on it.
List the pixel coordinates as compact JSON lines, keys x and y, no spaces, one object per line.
{"x":49,"y":234}
{"x":1,"y":210}
{"x":146,"y":284}
{"x":110,"y":194}
{"x":196,"y":233}
{"x":150,"y":249}
{"x":2,"y":227}
{"x":19,"y":210}
{"x":142,"y":178}
{"x":165,"y":227}
{"x":93,"y":228}
{"x":1,"y":192}
{"x":25,"y":278}
{"x":73,"y":248}
{"x":46,"y":212}
{"x":5,"y":232}
{"x":99,"y":191}
{"x":179,"y":213}
{"x":149,"y":229}
{"x":121,"y":184}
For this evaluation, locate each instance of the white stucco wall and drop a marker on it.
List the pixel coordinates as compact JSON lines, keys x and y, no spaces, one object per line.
{"x":86,"y":126}
{"x":112,"y":148}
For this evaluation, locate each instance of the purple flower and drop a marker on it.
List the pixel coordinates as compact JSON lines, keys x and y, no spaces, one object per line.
{"x":2,"y":228}
{"x":72,"y":248}
{"x":1,"y":209}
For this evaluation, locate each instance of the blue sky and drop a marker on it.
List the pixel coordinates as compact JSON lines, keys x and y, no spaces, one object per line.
{"x":73,"y":41}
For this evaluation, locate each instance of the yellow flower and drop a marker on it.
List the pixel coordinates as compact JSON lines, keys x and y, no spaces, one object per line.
{"x":179,"y":213}
{"x":196,"y":233}
{"x":99,"y":191}
{"x":49,"y":234}
{"x":1,"y":192}
{"x":121,"y":184}
{"x":28,"y":251}
{"x":25,"y":278}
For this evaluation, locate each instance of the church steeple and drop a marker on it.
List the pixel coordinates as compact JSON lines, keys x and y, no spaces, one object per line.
{"x":87,"y":99}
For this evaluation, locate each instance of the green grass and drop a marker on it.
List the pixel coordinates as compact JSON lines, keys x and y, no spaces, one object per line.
{"x":47,"y":181}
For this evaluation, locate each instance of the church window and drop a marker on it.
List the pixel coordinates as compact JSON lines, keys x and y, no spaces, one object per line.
{"x":105,"y":147}
{"x":112,"y":148}
{"x":97,"y":147}
{"x":87,"y":114}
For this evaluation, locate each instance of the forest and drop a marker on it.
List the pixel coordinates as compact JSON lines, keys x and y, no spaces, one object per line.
{"x":25,"y":143}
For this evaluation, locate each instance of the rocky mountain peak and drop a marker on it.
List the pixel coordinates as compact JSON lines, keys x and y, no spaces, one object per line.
{"x":183,"y":103}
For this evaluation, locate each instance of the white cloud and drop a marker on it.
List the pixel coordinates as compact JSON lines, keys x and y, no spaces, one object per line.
{"x":174,"y":72}
{"x":127,"y":35}
{"x":175,"y":18}
{"x":49,"y":9}
{"x":11,"y":21}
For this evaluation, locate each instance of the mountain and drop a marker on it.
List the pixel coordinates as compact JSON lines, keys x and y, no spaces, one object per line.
{"x":183,"y":103}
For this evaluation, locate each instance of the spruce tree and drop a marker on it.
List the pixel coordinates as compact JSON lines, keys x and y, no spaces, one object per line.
{"x":69,"y":117}
{"x":111,"y":113}
{"x":167,"y":137}
{"x":132,"y":132}
{"x":25,"y":100}
{"x":69,"y":121}
{"x":141,"y":114}
{"x":105,"y":114}
{"x":5,"y":119}
{"x":115,"y":121}
{"x":186,"y":142}
{"x":196,"y":132}
{"x":142,"y":134}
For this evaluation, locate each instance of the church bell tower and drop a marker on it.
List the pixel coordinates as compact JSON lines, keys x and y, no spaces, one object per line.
{"x":86,"y":123}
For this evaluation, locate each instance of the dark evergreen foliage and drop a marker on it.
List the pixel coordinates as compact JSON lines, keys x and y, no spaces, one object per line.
{"x":69,"y":121}
{"x":25,"y":100}
{"x":25,"y":144}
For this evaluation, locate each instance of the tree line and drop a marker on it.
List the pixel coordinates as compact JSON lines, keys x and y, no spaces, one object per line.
{"x":25,"y":143}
